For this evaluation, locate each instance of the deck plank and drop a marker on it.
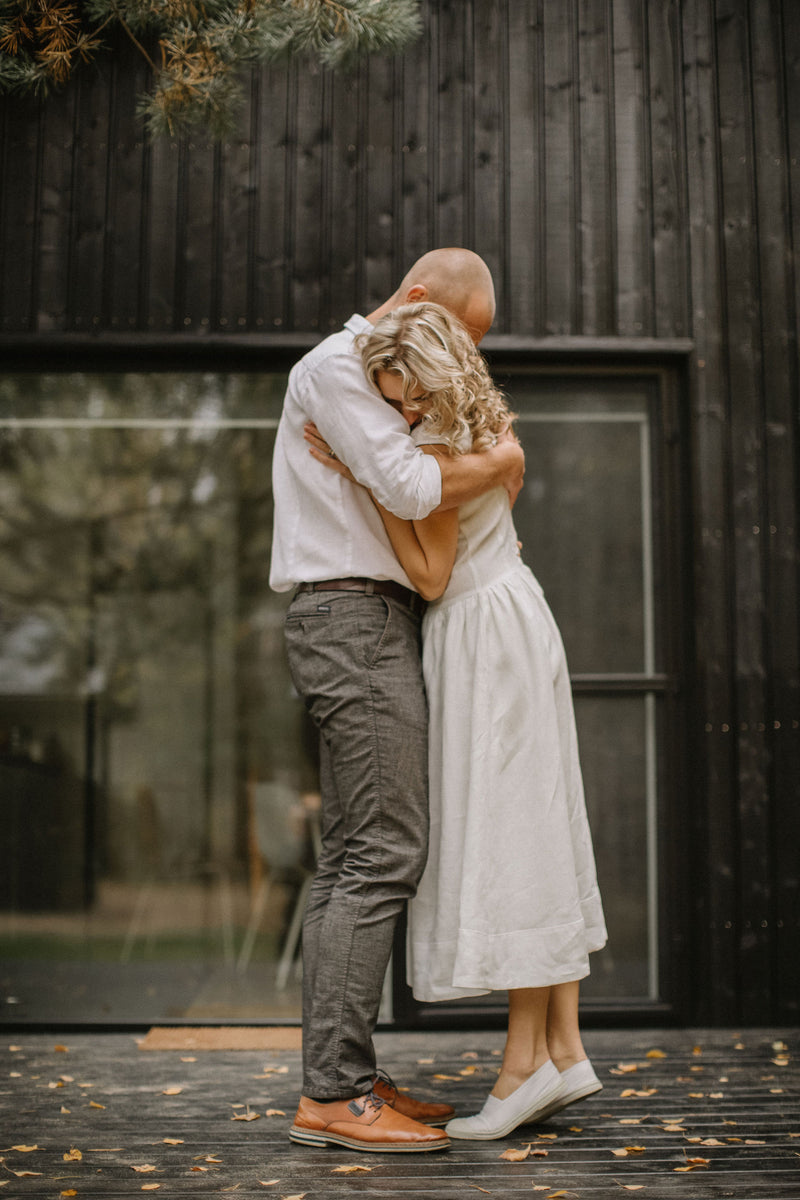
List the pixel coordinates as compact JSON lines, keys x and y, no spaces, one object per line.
{"x":726,"y":1085}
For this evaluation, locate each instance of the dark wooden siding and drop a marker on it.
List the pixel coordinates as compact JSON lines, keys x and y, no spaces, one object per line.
{"x":629,"y":169}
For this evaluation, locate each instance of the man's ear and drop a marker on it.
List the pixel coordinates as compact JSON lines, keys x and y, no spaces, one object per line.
{"x":416,"y":294}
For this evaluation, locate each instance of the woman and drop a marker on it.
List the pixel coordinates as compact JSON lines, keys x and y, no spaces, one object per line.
{"x":509,"y":898}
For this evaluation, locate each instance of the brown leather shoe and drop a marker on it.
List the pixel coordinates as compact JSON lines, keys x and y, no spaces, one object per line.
{"x":407,"y":1106}
{"x":363,"y":1123}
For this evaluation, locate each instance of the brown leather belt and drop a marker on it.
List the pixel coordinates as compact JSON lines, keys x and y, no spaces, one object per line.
{"x":376,"y":587}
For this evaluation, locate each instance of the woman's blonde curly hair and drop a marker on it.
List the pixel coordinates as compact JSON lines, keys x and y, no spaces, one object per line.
{"x":430,"y":348}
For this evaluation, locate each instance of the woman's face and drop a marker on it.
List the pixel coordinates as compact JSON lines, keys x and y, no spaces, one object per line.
{"x":390,"y":385}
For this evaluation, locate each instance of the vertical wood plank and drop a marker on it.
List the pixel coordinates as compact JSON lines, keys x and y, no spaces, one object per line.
{"x":670,"y":302}
{"x":379,"y":182}
{"x":197,"y":279}
{"x":122,"y":277}
{"x":347,"y":204}
{"x":525,"y":259}
{"x":560,"y":211}
{"x":418,"y":170}
{"x":716,"y":951}
{"x":632,"y":173}
{"x":234,"y":249}
{"x":305,"y":215}
{"x":57,"y":202}
{"x":596,"y":197}
{"x":451,"y":134}
{"x":487,"y":224}
{"x":274,"y":149}
{"x":747,"y":513}
{"x":775,"y":90}
{"x":85,"y":302}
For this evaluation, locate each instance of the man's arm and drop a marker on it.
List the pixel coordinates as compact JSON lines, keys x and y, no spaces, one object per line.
{"x":370,"y":437}
{"x":466,"y":476}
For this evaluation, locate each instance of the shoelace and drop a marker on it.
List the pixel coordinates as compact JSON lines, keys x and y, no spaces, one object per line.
{"x":358,"y":1105}
{"x":386,"y":1078}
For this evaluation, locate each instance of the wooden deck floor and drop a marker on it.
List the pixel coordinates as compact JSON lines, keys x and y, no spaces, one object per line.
{"x":163,"y":1122}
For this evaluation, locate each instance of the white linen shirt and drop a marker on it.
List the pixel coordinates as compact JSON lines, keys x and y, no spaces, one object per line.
{"x":324,"y":526}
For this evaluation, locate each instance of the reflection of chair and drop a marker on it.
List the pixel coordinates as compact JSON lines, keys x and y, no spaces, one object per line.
{"x":280,"y":823}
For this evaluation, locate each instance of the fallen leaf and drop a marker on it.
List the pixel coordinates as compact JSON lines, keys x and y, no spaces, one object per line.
{"x":246,"y":1116}
{"x":452,"y":1078}
{"x":424,"y":1062}
{"x":697,"y":1050}
{"x":715,"y":1095}
{"x":25,"y":1174}
{"x":61,"y":1049}
{"x":69,"y":1192}
{"x":540,"y":1153}
{"x":295,"y":1196}
{"x":94,"y":1104}
{"x":547,"y":1137}
{"x":673,"y":1128}
{"x":199,"y":1168}
{"x":173,"y":1141}
{"x":776,"y":1091}
{"x":468,"y":1070}
{"x":475,"y":1188}
{"x":268,"y":1182}
{"x":349,"y":1170}
{"x":73,"y":1156}
{"x":557,"y":1195}
{"x":576,"y":1129}
{"x":55,"y":1084}
{"x":150,"y":1187}
{"x":653,"y":1054}
{"x":754,"y":1142}
{"x":620,"y":1153}
{"x":188,"y":1060}
{"x":144,"y":1169}
{"x":631,"y":1120}
{"x":15,"y":1048}
{"x":24,"y":1149}
{"x":780,"y":1062}
{"x":627,"y":1068}
{"x":474,"y":1053}
{"x":513,"y":1155}
{"x":172,"y":1091}
{"x":275,"y":1112}
{"x":209,"y":1158}
{"x":630,"y":1187}
{"x":15,"y":1074}
{"x":711,"y":1141}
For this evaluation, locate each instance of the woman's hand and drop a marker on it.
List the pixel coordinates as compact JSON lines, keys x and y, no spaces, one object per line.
{"x":321,"y":451}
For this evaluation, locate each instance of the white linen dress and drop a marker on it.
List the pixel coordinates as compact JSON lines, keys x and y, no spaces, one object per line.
{"x":509,"y":896}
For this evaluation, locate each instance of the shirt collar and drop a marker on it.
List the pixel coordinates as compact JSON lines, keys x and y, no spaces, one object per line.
{"x":358,"y":324}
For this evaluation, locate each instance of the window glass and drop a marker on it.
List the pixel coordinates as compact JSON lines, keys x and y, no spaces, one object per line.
{"x":157,"y":770}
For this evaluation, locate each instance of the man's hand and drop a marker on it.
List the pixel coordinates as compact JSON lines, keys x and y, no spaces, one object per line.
{"x":321,"y":451}
{"x":515,"y":474}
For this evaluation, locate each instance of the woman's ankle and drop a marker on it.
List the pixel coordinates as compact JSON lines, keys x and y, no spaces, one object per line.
{"x":513,"y":1076}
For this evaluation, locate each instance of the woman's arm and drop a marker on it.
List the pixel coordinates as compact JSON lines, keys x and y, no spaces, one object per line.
{"x":425,"y":549}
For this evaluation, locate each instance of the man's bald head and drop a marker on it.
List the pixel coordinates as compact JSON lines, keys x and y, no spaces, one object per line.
{"x":456,"y":278}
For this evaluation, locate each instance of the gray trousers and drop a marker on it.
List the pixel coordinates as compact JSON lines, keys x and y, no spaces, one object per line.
{"x":355,"y":660}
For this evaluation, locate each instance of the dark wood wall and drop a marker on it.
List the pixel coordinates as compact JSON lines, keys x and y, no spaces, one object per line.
{"x":629,"y":169}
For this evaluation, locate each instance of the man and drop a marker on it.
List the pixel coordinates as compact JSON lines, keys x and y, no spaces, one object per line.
{"x":352,"y":634}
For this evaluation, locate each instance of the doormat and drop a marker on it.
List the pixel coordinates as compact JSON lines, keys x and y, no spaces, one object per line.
{"x":223,"y":1037}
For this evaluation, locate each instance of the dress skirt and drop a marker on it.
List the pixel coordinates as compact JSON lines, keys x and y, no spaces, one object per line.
{"x":509,"y":897}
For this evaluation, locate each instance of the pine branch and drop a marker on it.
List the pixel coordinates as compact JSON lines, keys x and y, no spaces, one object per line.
{"x":203,"y":45}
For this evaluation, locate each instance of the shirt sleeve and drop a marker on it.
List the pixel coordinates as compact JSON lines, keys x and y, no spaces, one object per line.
{"x":371,"y":438}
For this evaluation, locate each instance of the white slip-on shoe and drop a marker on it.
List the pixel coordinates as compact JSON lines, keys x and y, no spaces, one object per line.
{"x":498,"y":1117}
{"x":576,"y":1083}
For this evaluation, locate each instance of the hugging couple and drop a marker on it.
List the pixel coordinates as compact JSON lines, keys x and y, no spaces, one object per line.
{"x":429,"y":660}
